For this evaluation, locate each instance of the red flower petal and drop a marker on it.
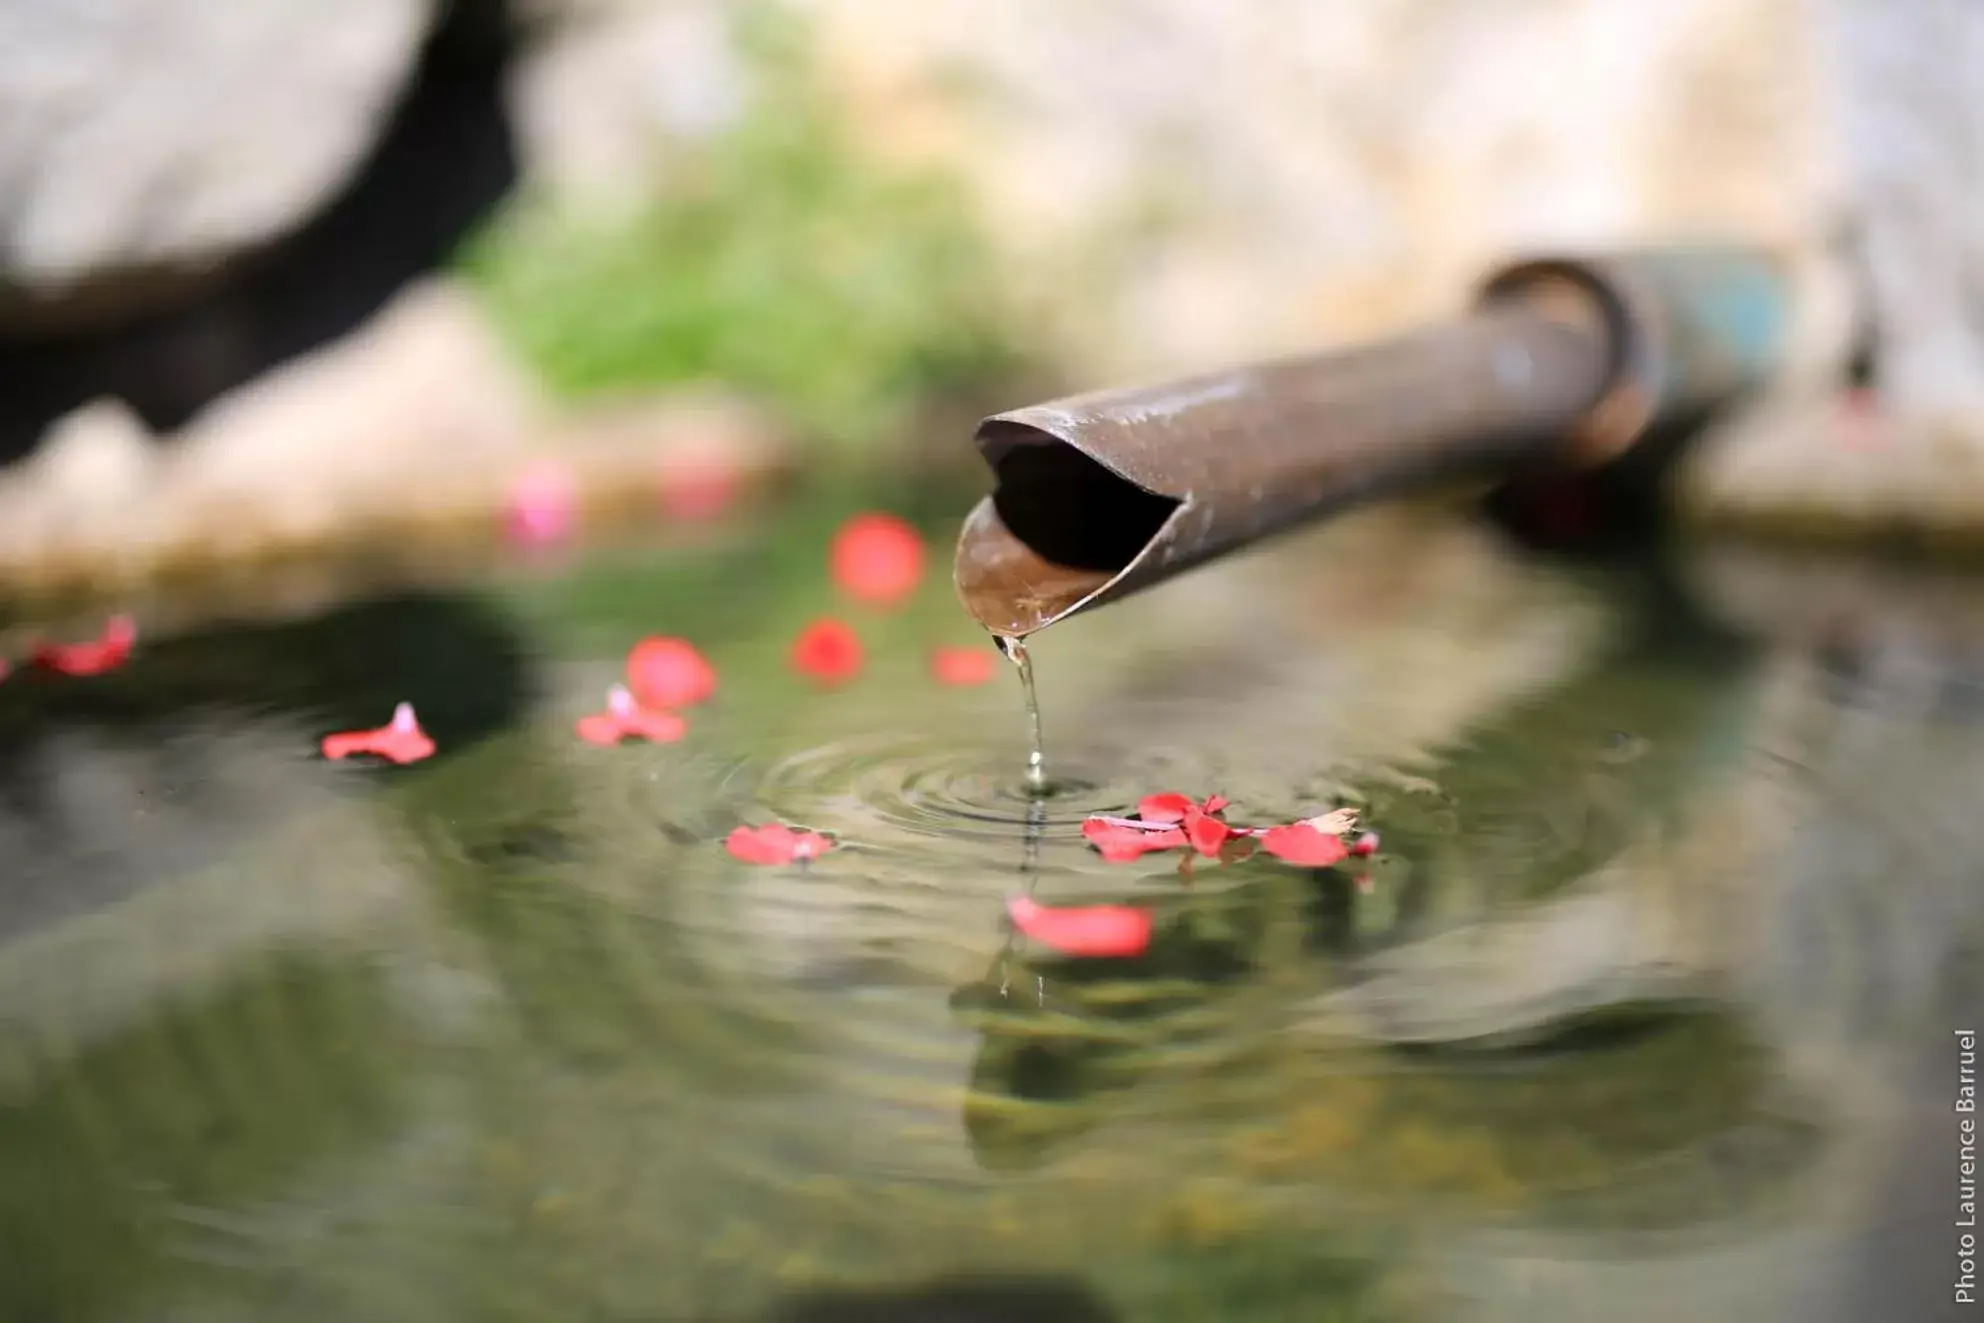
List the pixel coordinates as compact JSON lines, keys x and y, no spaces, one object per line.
{"x":828,"y":651}
{"x":1091,"y":930}
{"x":599,"y":728}
{"x":1121,"y":844}
{"x":1174,"y":807}
{"x":666,"y":673}
{"x":1367,"y":844}
{"x":958,"y":666}
{"x":1167,"y":807}
{"x":107,"y":652}
{"x":625,"y":718}
{"x":1304,"y":845}
{"x":776,"y":843}
{"x":1206,"y":832}
{"x":399,"y":741}
{"x":877,"y":558}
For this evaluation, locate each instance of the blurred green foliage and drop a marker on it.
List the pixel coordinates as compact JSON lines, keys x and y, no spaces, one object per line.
{"x":779,"y":258}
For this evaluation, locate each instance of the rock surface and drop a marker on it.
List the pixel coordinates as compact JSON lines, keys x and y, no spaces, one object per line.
{"x":420,"y":419}
{"x":136,"y":137}
{"x":1282,"y":173}
{"x":606,"y":92}
{"x":1172,"y":184}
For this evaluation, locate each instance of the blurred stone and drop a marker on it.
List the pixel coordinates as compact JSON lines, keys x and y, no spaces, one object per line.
{"x":136,"y":138}
{"x":1825,"y":468}
{"x":598,"y":100}
{"x":404,"y":414}
{"x":1215,"y":183}
{"x":1912,"y":118}
{"x":392,"y":440}
{"x":100,"y":453}
{"x":91,"y":471}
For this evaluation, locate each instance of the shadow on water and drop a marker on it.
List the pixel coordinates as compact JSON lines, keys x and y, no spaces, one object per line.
{"x":444,"y":160}
{"x":192,"y":725}
{"x":1306,"y":1282}
{"x":131,"y":1157}
{"x":1558,"y":783}
{"x":957,"y":1301}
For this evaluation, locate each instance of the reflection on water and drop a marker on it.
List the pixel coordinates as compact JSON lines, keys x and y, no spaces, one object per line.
{"x":1644,"y":986}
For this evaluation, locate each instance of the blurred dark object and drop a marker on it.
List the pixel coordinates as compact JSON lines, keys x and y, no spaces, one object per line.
{"x":444,"y":161}
{"x":1564,"y":364}
{"x":954,"y":1300}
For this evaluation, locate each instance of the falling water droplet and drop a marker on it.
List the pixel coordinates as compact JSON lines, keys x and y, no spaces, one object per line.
{"x":1015,"y":652}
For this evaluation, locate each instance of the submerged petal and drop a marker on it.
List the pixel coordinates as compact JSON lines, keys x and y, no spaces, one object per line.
{"x":1089,"y":930}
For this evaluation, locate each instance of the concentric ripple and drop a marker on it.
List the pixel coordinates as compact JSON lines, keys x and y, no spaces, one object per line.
{"x":922,"y":794}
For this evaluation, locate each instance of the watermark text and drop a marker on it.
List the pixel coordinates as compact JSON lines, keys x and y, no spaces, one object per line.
{"x":1966,"y":1166}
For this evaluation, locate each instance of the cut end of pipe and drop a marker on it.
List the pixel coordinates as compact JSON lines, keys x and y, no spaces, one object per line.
{"x":1056,"y":531}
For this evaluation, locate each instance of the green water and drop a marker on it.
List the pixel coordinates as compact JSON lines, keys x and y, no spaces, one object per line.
{"x":1641,"y":1012}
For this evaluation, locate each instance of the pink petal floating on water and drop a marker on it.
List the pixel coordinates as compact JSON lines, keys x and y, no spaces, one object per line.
{"x":1170,"y":806}
{"x":828,"y":652}
{"x":668,"y":673}
{"x":106,"y":652}
{"x":775,"y":843}
{"x":877,"y":558}
{"x":1206,"y":832}
{"x":625,"y":718}
{"x":543,"y":503}
{"x":1301,"y":844}
{"x":400,"y":741}
{"x":1122,"y":842}
{"x":1089,"y":930}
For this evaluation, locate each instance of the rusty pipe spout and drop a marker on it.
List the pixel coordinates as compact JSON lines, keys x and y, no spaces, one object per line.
{"x":1098,"y":496}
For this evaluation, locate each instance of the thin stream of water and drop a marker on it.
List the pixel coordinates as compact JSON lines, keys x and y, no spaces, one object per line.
{"x":1014,"y":651}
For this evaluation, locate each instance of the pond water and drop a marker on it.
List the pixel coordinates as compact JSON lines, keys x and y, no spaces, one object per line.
{"x":1643,"y":1011}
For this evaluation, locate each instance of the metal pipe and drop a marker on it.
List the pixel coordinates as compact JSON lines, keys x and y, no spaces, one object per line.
{"x":1561,"y":361}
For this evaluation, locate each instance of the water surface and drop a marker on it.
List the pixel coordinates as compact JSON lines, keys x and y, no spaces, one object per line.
{"x":1641,"y":1012}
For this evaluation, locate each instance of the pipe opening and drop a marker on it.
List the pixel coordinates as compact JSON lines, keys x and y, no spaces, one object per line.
{"x":1068,"y":509}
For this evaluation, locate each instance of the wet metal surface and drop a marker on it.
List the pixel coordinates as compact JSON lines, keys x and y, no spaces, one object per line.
{"x":1564,"y":362}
